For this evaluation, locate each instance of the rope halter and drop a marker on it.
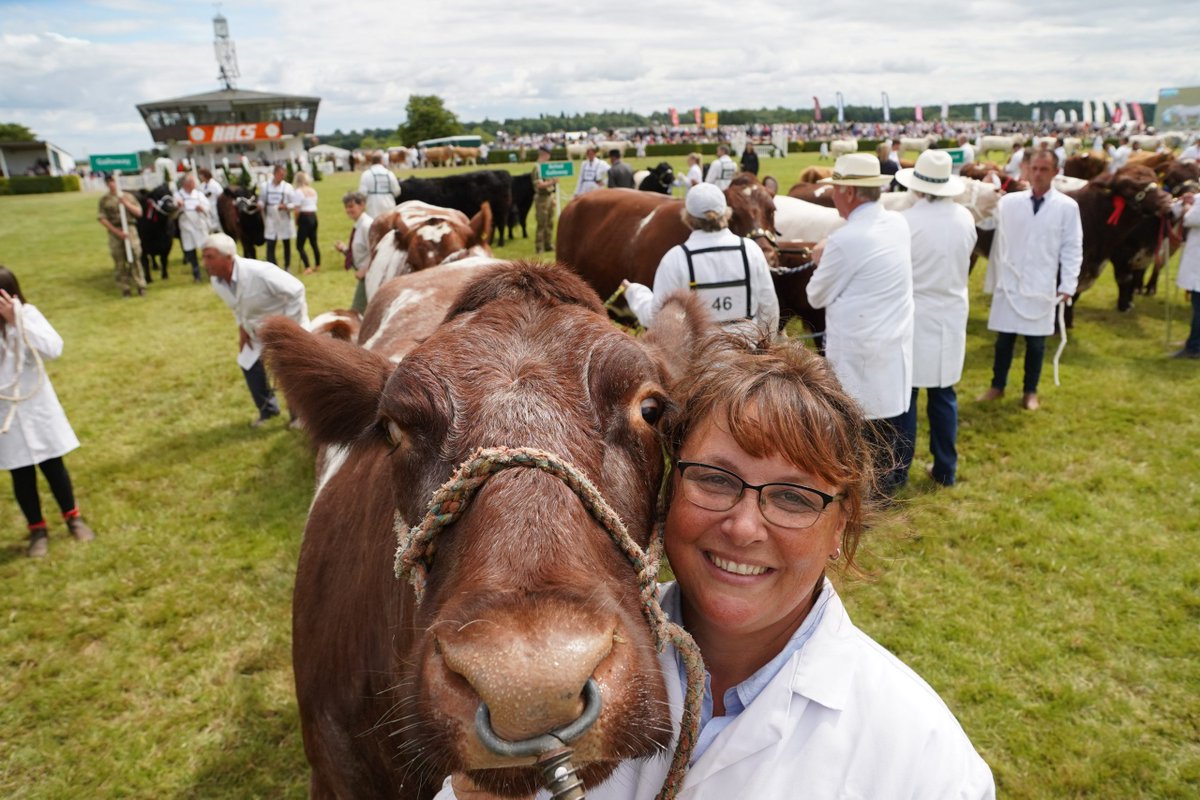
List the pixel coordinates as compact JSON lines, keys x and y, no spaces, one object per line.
{"x":416,"y":547}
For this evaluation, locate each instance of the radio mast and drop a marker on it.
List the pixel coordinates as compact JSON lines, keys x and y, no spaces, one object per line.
{"x":226,"y":52}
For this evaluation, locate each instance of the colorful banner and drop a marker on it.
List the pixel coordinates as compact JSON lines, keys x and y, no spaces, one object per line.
{"x":992,"y":111}
{"x":816,"y":109}
{"x":841,"y":104}
{"x":697,"y":114}
{"x":674,"y":116}
{"x":945,"y":110}
{"x":1117,"y":116}
{"x":919,"y":114}
{"x":710,"y":120}
{"x":243,"y":132}
{"x":1087,"y":112}
{"x":1138,"y":114}
{"x":887,"y":108}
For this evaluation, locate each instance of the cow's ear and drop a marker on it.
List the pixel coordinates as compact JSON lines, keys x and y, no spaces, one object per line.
{"x":1104,"y":181}
{"x":333,"y":386}
{"x":679,"y":327}
{"x":481,"y":223}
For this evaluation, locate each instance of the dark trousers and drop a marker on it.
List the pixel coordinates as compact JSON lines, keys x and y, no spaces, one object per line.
{"x":1192,"y":345}
{"x":942,"y":411}
{"x":894,"y":439}
{"x":189,"y":258}
{"x":25,"y":488}
{"x":306,"y":231}
{"x":261,"y":391}
{"x":1035,"y":352}
{"x":287,"y":253}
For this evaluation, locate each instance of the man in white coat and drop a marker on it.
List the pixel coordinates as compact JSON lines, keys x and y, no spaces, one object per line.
{"x":728,"y":271}
{"x":212,"y":189}
{"x":592,"y":174}
{"x":1188,"y":278}
{"x":380,"y":186}
{"x":863,"y":280}
{"x":278,"y":200}
{"x":1038,"y":247}
{"x":943,"y":236}
{"x":253,"y":290}
{"x":193,"y":222}
{"x":721,"y":171}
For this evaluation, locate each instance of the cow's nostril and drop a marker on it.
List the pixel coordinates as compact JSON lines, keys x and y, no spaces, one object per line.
{"x":545,"y":743}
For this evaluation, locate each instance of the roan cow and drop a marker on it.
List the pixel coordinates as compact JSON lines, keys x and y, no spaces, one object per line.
{"x":416,"y":236}
{"x":528,"y":604}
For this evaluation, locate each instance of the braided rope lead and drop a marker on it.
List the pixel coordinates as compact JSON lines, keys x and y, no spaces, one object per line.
{"x":415,"y":548}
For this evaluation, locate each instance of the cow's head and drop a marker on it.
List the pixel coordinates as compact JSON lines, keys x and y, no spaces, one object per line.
{"x":527,"y":596}
{"x":753,"y":213}
{"x":418,"y":236}
{"x":1134,"y":189}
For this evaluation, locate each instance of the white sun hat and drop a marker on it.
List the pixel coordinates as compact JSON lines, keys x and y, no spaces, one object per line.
{"x":932,"y":175}
{"x":704,"y":197}
{"x":857,"y":169}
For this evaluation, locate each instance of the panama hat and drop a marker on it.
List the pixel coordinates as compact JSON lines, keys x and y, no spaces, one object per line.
{"x":932,"y":175}
{"x":857,"y":169}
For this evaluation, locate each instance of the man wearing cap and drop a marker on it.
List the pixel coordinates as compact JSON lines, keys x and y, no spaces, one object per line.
{"x":721,"y":171}
{"x":943,"y":236}
{"x":380,"y":186}
{"x":591,"y":174}
{"x":727,"y":271}
{"x":1038,"y":247}
{"x":545,"y":203}
{"x":863,"y":280}
{"x":620,"y":176}
{"x":114,"y":206}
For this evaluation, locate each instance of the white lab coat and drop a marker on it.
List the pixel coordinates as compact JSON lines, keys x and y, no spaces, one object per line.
{"x":212,"y":190}
{"x":943,"y":235}
{"x":1023,"y":269}
{"x":262,"y":290}
{"x":968,"y":157}
{"x":864,"y":283}
{"x":721,"y":172}
{"x":592,"y":174}
{"x":1013,"y":167}
{"x":380,"y":186}
{"x":278,"y":221}
{"x":194,"y":219}
{"x":39,"y":429}
{"x":1189,"y":260}
{"x":843,"y":718}
{"x":726,"y":304}
{"x":1119,"y":156}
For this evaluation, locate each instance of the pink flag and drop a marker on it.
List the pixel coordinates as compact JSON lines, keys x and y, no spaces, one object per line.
{"x":1116,"y":115}
{"x":697,"y":114}
{"x":919,"y":114}
{"x":816,"y":109}
{"x":674,"y":117}
{"x":1137,"y":113}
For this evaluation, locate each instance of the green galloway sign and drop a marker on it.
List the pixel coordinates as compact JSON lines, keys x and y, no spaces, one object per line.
{"x":126,"y":162}
{"x":956,"y":155}
{"x":556,"y":169}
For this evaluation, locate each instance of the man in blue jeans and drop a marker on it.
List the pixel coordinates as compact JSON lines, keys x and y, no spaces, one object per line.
{"x":1034,"y":266}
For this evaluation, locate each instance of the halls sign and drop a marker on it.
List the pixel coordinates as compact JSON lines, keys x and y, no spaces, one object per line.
{"x":241,"y":132}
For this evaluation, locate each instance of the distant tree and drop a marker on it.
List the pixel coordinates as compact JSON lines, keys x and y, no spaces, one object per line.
{"x":428,"y":118}
{"x":369,"y":143}
{"x":15,"y":132}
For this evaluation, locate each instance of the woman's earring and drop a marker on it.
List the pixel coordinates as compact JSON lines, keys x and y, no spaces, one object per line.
{"x":836,"y":554}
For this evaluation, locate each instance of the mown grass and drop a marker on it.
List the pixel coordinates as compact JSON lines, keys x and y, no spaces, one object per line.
{"x":1052,"y":597}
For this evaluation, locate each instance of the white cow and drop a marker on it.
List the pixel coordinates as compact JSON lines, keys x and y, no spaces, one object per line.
{"x":613,"y":144}
{"x":914,"y":144}
{"x":804,"y":221}
{"x":1003,"y":144}
{"x":1147,"y":143}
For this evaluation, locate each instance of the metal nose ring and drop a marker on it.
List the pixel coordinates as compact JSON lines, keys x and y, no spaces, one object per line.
{"x":545,"y":742}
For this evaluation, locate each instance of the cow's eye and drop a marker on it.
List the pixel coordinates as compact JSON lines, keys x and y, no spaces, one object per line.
{"x":652,"y":410}
{"x":395,"y":433}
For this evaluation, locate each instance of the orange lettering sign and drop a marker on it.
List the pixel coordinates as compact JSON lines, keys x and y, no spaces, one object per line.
{"x":241,"y":132}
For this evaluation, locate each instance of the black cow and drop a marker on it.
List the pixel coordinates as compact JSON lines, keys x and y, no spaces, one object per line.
{"x":466,"y":192}
{"x":660,"y":179}
{"x":156,"y":228}
{"x":241,"y":218}
{"x":522,"y":201}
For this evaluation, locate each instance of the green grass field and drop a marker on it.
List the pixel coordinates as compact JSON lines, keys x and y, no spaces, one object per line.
{"x":1052,"y":597}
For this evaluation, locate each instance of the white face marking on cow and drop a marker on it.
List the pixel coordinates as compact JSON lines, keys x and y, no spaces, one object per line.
{"x":408,"y":298}
{"x":749,"y":190}
{"x":319,"y":323}
{"x":434,"y":233}
{"x":821,"y":192}
{"x":333,"y":457}
{"x":641,"y":225}
{"x":388,"y":262}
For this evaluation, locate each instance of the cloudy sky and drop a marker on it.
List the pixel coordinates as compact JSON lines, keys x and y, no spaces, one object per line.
{"x":73,"y":71}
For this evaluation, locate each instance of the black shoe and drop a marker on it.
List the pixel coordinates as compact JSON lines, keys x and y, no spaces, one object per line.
{"x":1185,"y":353}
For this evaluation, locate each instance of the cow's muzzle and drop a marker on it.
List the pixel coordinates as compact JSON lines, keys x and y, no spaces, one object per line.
{"x":547,"y":742}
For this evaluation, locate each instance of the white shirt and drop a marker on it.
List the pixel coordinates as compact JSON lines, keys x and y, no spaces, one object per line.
{"x":725,"y":303}
{"x":1013,"y":167}
{"x":212,"y":190}
{"x":864,"y":283}
{"x":943,"y":235}
{"x":39,"y":429}
{"x":360,"y":248}
{"x":380,"y":186}
{"x":1023,"y":268}
{"x":843,"y":718}
{"x":592,"y":174}
{"x":1119,"y":156}
{"x":1189,"y":260}
{"x":694,"y":177}
{"x":277,"y":222}
{"x":257,"y":290}
{"x":194,"y":220}
{"x":1190,"y":153}
{"x":721,"y":172}
{"x":307,"y":201}
{"x":968,"y":157}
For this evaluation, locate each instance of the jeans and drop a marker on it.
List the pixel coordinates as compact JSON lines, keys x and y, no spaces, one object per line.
{"x":1035,"y":352}
{"x":895,"y":440}
{"x":942,"y":411}
{"x":1192,"y":345}
{"x":261,"y":391}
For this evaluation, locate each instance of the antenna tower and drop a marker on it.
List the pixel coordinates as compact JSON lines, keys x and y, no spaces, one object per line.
{"x":226,"y":52}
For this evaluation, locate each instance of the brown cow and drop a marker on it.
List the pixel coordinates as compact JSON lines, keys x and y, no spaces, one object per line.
{"x":814,"y":174}
{"x":614,"y":234}
{"x":1086,"y":165}
{"x":417,"y":236}
{"x":527,"y":598}
{"x":439,"y":156}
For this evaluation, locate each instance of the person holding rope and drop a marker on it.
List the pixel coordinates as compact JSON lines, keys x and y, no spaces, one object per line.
{"x":727,"y":270}
{"x":1038,"y":245}
{"x":35,"y":433}
{"x":771,"y":490}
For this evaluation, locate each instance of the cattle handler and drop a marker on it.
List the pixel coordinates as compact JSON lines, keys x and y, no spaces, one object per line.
{"x":118,"y":214}
{"x":545,"y":201}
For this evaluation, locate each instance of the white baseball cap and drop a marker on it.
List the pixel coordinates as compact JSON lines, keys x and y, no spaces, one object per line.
{"x":704,"y":197}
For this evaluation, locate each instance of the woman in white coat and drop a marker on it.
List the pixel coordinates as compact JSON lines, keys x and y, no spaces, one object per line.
{"x":193,"y":222}
{"x":943,"y":236}
{"x":773,"y":471}
{"x":34,"y":432}
{"x":1189,"y":274}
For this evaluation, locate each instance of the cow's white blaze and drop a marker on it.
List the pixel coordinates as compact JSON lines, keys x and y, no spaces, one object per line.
{"x":434,"y":233}
{"x":334,"y":457}
{"x":388,"y":262}
{"x":407,"y":299}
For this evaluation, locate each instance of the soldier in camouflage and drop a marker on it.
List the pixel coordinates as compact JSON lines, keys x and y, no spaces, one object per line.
{"x":545,"y":201}
{"x":125,"y":262}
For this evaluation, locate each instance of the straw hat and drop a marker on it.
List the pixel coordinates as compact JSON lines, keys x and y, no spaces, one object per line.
{"x":857,"y":169}
{"x":932,"y":175}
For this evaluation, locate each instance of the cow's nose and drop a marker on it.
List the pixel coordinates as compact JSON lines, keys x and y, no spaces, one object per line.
{"x":532,"y":682}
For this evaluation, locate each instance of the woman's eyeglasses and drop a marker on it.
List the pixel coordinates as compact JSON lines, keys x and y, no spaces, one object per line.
{"x":788,"y":505}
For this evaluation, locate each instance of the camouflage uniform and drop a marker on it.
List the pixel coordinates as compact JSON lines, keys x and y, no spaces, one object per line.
{"x":545,"y":202}
{"x":128,"y":274}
